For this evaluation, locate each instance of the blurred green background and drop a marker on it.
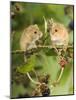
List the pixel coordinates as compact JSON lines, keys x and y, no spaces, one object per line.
{"x":46,"y":62}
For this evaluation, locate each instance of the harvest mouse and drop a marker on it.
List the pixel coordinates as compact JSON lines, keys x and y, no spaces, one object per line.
{"x":29,"y":36}
{"x":58,"y":34}
{"x":59,"y":38}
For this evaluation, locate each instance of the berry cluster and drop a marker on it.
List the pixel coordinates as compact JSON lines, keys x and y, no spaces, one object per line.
{"x":63,"y":62}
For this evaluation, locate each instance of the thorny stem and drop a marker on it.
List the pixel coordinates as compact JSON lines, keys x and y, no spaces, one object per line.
{"x":18,"y":51}
{"x":35,"y":74}
{"x":59,"y":78}
{"x":61,"y":73}
{"x":51,"y":47}
{"x":35,"y":82}
{"x":39,"y":46}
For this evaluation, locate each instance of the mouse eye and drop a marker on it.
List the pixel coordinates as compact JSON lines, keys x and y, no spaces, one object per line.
{"x":35,"y":32}
{"x":56,"y":30}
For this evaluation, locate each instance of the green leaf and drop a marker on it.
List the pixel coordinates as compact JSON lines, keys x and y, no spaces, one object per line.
{"x":28,"y":66}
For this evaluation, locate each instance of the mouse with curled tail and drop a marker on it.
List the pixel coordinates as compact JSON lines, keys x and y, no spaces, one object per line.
{"x":58,"y":34}
{"x":29,"y":36}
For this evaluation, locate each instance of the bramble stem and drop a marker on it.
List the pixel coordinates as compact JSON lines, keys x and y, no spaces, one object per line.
{"x":61,"y":73}
{"x":39,"y":46}
{"x":35,"y":74}
{"x":35,"y":82}
{"x":59,"y":78}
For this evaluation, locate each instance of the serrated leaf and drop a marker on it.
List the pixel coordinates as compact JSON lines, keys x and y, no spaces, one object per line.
{"x":28,"y":66}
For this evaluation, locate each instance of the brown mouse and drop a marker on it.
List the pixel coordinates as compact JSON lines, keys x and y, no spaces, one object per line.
{"x":29,"y":36}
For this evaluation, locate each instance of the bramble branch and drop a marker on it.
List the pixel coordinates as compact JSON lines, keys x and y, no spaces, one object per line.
{"x":39,"y":46}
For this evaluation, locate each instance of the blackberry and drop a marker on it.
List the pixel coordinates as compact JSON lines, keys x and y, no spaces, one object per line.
{"x":46,"y":92}
{"x":44,"y":79}
{"x":63,"y":62}
{"x":71,"y":25}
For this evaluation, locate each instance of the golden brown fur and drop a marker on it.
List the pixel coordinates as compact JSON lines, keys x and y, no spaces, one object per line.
{"x":29,"y":36}
{"x":58,"y":33}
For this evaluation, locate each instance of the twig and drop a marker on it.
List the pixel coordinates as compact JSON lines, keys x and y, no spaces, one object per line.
{"x":39,"y":46}
{"x":51,"y":47}
{"x":58,"y":80}
{"x":35,"y":82}
{"x":35,"y":73}
{"x":61,"y":73}
{"x":18,"y":51}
